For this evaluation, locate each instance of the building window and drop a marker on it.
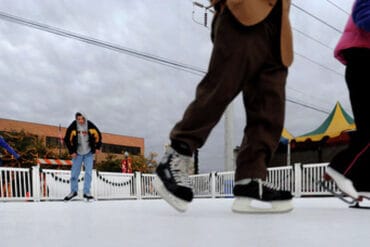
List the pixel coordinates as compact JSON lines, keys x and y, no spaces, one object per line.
{"x":53,"y":142}
{"x":120,"y":149}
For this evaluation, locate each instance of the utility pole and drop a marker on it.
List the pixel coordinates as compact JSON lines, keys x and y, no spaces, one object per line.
{"x":229,"y":138}
{"x":205,"y":16}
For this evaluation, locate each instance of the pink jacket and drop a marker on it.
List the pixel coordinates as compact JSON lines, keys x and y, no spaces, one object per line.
{"x":351,"y":37}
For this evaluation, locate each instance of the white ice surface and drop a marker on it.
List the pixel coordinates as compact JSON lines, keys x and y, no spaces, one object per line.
{"x":208,"y":222}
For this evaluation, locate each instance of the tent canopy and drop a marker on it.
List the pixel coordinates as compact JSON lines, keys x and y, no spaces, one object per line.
{"x":286,"y":136}
{"x":338,"y":122}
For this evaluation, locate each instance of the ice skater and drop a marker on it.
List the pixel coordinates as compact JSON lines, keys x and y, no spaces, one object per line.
{"x":8,"y":148}
{"x":83,"y":140}
{"x":252,"y":52}
{"x":350,"y":168}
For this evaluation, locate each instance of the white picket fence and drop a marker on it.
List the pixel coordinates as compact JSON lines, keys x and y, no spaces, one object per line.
{"x":49,"y":184}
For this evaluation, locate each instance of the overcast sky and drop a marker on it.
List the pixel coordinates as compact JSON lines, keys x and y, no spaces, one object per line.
{"x":46,"y":78}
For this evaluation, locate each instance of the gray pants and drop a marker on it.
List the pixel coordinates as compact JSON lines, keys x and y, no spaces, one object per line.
{"x":247,"y":60}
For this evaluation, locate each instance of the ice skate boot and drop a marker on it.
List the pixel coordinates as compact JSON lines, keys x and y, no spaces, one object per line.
{"x":256,"y":196}
{"x":172,"y":181}
{"x":348,"y":169}
{"x":88,"y":197}
{"x":70,"y":196}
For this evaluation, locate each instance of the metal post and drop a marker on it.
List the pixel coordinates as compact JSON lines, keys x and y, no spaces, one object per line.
{"x":297,"y":179}
{"x":94,"y":184}
{"x":288,"y":155}
{"x":138,"y":185}
{"x":36,"y":183}
{"x":229,"y":138}
{"x":213,"y":184}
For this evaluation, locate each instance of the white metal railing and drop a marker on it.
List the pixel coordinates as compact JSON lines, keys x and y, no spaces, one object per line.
{"x":202,"y":185}
{"x":15,"y":184}
{"x":113,"y":185}
{"x":224,"y":183}
{"x":54,"y":184}
{"x":312,"y":174}
{"x":147,"y":189}
{"x":50,"y":184}
{"x":281,"y":177}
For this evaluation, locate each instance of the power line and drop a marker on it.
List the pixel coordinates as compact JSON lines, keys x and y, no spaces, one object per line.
{"x":319,"y":64}
{"x":128,"y":51}
{"x":307,"y":106}
{"x":338,"y":7}
{"x":312,"y":38}
{"x":104,"y":44}
{"x":311,"y":97}
{"x":317,"y":18}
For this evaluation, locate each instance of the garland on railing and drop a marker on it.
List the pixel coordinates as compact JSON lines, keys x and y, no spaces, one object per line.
{"x":99,"y":176}
{"x":112,"y":183}
{"x":65,"y":181}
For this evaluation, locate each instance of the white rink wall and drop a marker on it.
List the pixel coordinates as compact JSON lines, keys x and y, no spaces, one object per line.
{"x":35,"y":184}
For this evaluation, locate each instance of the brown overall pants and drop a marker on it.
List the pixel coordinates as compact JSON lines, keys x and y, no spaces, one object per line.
{"x":244,"y":59}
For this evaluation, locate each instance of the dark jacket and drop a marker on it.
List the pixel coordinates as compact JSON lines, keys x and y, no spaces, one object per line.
{"x":71,"y":138}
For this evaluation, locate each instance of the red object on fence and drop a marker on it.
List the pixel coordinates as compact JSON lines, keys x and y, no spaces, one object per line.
{"x":54,"y":162}
{"x":127,"y":165}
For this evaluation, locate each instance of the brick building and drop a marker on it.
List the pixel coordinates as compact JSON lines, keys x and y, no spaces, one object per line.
{"x":112,"y":143}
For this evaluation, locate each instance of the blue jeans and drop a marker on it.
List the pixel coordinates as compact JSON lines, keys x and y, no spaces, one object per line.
{"x":88,"y":160}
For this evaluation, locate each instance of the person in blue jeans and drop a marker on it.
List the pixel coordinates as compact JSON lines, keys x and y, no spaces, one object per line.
{"x":83,"y":140}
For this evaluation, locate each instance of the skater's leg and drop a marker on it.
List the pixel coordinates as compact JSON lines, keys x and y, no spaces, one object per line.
{"x":75,"y":172}
{"x":237,"y":56}
{"x":264,"y":102}
{"x":349,"y":168}
{"x":88,"y":160}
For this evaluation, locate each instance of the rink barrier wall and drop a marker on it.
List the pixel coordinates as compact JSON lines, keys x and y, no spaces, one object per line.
{"x":35,"y":184}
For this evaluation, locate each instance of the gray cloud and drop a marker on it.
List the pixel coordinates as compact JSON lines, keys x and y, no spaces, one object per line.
{"x":46,"y":78}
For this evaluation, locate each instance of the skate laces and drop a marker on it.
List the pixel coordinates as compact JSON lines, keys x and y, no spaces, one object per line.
{"x":179,"y":169}
{"x":178,"y":165}
{"x":266,"y":186}
{"x":71,"y":194}
{"x":269,"y":185}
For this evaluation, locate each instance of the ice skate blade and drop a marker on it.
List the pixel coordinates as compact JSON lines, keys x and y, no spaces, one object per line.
{"x":344,"y":184}
{"x":179,"y":204}
{"x":340,"y":195}
{"x":364,"y":195}
{"x":248,"y":205}
{"x":71,"y":200}
{"x":358,"y":206}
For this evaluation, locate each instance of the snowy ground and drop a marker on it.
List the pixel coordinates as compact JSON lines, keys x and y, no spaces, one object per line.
{"x":208,"y":222}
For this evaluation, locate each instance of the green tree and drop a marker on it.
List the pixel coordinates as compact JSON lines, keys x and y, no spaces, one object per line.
{"x":28,"y":146}
{"x":110,"y":164}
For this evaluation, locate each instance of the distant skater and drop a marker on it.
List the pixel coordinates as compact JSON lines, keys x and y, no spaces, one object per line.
{"x":83,"y":140}
{"x":252,"y":50}
{"x":8,"y":148}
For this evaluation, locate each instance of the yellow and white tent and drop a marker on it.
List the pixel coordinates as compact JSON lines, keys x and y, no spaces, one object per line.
{"x":335,"y":125}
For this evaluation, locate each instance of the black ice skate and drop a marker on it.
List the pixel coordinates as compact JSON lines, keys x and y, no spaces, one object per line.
{"x":88,"y":198}
{"x":70,"y":196}
{"x":259,"y":197}
{"x":349,"y":169}
{"x":172,"y":181}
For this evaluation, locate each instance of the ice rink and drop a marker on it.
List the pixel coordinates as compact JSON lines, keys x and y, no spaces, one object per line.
{"x":208,"y":222}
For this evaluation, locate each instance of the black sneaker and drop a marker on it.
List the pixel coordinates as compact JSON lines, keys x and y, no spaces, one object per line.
{"x":88,"y":197}
{"x":259,"y":197}
{"x":70,"y":196}
{"x":172,"y":181}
